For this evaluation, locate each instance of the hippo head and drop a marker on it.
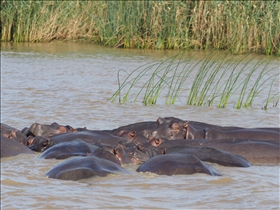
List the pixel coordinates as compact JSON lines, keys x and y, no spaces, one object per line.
{"x":37,"y":129}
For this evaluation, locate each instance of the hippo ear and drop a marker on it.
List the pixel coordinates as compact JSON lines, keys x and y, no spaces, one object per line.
{"x":120,"y":132}
{"x":62,"y":129}
{"x":54,"y":124}
{"x":156,"y":142}
{"x":160,"y":120}
{"x":186,"y":124}
{"x":132,"y":134}
{"x":175,"y":126}
{"x":70,"y":128}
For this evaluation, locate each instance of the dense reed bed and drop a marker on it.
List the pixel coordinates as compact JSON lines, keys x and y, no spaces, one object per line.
{"x":214,"y":80}
{"x":239,"y":26}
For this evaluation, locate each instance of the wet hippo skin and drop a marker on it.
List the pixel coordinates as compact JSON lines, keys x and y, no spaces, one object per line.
{"x":45,"y":130}
{"x":13,"y":133}
{"x":68,"y":149}
{"x":174,"y":164}
{"x":84,"y":167}
{"x":257,"y":152}
{"x":212,"y":155}
{"x":11,"y":147}
{"x":245,"y":133}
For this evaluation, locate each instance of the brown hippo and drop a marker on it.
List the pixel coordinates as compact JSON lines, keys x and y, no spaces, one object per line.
{"x":173,"y":164}
{"x":133,"y":136}
{"x":45,"y":130}
{"x":13,"y":133}
{"x":84,"y":167}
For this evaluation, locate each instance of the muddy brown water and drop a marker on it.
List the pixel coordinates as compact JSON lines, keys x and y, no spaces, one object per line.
{"x":70,"y":83}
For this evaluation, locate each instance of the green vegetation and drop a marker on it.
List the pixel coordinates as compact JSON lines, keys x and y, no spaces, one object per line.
{"x":238,"y":26}
{"x":210,"y":81}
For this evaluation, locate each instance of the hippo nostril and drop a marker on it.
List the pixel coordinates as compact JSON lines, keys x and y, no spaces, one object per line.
{"x":114,"y":151}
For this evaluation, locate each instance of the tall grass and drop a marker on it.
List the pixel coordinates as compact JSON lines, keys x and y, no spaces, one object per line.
{"x":214,"y":80}
{"x":239,"y":26}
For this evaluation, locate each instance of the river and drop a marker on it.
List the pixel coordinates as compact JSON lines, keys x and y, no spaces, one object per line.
{"x":70,"y":83}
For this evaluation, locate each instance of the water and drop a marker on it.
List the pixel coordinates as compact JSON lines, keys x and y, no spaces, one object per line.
{"x":70,"y":83}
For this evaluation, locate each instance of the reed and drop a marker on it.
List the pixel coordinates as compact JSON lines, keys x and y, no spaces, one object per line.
{"x":239,"y":26}
{"x":220,"y":79}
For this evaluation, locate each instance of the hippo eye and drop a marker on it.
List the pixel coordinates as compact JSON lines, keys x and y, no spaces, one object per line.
{"x":157,"y":141}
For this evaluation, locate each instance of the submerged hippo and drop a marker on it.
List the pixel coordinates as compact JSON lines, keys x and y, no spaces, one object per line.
{"x":11,"y":147}
{"x":133,"y":136}
{"x":90,"y":137}
{"x":45,"y":130}
{"x":84,"y":167}
{"x":212,"y":155}
{"x":257,"y":152}
{"x":176,"y":128}
{"x":13,"y":133}
{"x":68,"y":149}
{"x":245,"y":133}
{"x":173,"y":164}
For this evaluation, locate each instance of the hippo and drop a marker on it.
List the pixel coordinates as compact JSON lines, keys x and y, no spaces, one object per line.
{"x":139,"y":127}
{"x":131,"y":151}
{"x":77,"y":168}
{"x":45,"y":130}
{"x":39,"y":143}
{"x":11,"y":147}
{"x":89,"y":136}
{"x":257,"y":152}
{"x":245,"y":133}
{"x":126,"y":153}
{"x":192,"y":132}
{"x":180,"y":129}
{"x":176,"y":128}
{"x":175,"y":163}
{"x":64,"y":150}
{"x":212,"y":155}
{"x":133,"y":136}
{"x":13,"y":133}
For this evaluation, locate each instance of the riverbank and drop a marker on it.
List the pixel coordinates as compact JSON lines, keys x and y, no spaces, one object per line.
{"x":239,"y":27}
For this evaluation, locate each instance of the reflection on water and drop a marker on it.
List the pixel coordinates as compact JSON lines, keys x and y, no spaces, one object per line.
{"x":70,"y":83}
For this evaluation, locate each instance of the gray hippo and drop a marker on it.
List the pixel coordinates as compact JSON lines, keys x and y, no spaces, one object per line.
{"x":84,"y":167}
{"x":179,"y":129}
{"x":64,"y":150}
{"x":211,"y":155}
{"x":257,"y":152}
{"x":245,"y":133}
{"x":174,"y":164}
{"x":11,"y":147}
{"x":40,"y":143}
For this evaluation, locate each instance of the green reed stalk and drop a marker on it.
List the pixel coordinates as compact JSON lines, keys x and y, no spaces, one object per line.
{"x":216,"y":79}
{"x":175,"y":87}
{"x":231,"y":83}
{"x":153,"y":91}
{"x":275,"y":96}
{"x":226,"y":64}
{"x":256,"y":89}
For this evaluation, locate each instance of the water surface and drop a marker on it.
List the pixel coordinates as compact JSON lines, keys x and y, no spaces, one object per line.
{"x":70,"y":84}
